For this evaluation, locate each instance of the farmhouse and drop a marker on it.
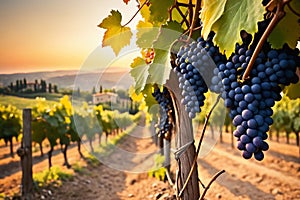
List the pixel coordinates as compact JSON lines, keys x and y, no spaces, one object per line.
{"x":107,"y":97}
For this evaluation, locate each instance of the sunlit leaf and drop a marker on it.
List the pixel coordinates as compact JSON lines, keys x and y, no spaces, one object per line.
{"x":211,"y":11}
{"x":146,"y":34}
{"x":287,"y":30}
{"x":238,"y":15}
{"x":160,"y":68}
{"x":145,"y":11}
{"x":159,"y":10}
{"x":116,"y":35}
{"x":134,"y":96}
{"x":139,"y":72}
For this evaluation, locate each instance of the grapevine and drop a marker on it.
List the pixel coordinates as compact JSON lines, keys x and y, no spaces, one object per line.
{"x":247,"y":61}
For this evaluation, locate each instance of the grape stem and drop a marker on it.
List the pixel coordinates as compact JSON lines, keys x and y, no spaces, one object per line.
{"x":199,"y":146}
{"x":135,"y":14}
{"x":280,"y":13}
{"x":195,"y":17}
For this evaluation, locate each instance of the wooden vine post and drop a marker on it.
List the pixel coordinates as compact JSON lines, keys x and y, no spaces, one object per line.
{"x":25,"y":153}
{"x":184,"y":135}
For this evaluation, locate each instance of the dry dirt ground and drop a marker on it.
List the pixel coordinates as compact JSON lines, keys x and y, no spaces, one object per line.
{"x":276,"y":177}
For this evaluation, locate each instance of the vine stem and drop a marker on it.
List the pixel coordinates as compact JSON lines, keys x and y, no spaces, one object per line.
{"x":195,"y":17}
{"x":277,"y":17}
{"x":135,"y":14}
{"x":210,"y":182}
{"x":199,"y":145}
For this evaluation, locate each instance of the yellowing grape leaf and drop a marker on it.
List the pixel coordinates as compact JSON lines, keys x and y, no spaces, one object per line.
{"x":238,"y":15}
{"x":134,"y":96}
{"x":287,"y":30}
{"x":211,"y":11}
{"x":159,"y":10}
{"x":186,"y":1}
{"x":145,"y":11}
{"x":140,"y":74}
{"x":116,"y":35}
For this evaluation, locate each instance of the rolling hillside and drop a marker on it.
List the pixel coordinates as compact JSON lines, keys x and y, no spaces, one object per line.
{"x":117,"y":78}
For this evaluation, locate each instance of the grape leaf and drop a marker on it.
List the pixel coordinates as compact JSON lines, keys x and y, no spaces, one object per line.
{"x":116,"y":35}
{"x":238,"y":15}
{"x":210,"y":13}
{"x":126,"y":1}
{"x":139,"y":72}
{"x":145,"y":11}
{"x":292,"y":91}
{"x":150,"y":100}
{"x":159,"y":70}
{"x":159,"y":10}
{"x":287,"y":30}
{"x":146,"y":34}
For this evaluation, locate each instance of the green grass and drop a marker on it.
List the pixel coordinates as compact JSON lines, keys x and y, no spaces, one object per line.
{"x":54,"y":175}
{"x":48,"y":96}
{"x":20,"y":102}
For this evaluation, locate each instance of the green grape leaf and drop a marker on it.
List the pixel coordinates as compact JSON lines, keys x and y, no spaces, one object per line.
{"x":159,"y":10}
{"x":116,"y":35}
{"x":287,"y":30}
{"x":159,"y":70}
{"x":146,"y":34}
{"x":139,"y":72}
{"x":211,"y":11}
{"x":150,"y":100}
{"x":238,"y":15}
{"x":292,"y":91}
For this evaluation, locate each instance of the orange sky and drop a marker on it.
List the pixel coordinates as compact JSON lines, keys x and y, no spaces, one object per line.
{"x":43,"y":35}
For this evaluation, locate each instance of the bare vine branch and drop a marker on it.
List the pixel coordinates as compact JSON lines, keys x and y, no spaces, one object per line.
{"x":195,"y":17}
{"x":280,"y":13}
{"x":135,"y":14}
{"x":210,"y":182}
{"x":199,"y":145}
{"x":182,"y":15}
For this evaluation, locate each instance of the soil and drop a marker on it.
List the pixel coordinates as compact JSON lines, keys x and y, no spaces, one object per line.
{"x":276,"y":177}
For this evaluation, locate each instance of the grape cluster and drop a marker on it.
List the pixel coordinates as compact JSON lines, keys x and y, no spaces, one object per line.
{"x":194,"y":67}
{"x":165,"y":105}
{"x":251,"y":103}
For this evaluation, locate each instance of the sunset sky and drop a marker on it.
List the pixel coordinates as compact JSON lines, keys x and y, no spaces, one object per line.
{"x":50,"y":35}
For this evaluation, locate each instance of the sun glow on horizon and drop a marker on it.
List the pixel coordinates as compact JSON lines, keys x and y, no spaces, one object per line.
{"x":52,"y":35}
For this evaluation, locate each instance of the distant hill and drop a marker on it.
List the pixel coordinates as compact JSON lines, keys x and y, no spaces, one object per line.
{"x":117,"y":78}
{"x":6,"y":79}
